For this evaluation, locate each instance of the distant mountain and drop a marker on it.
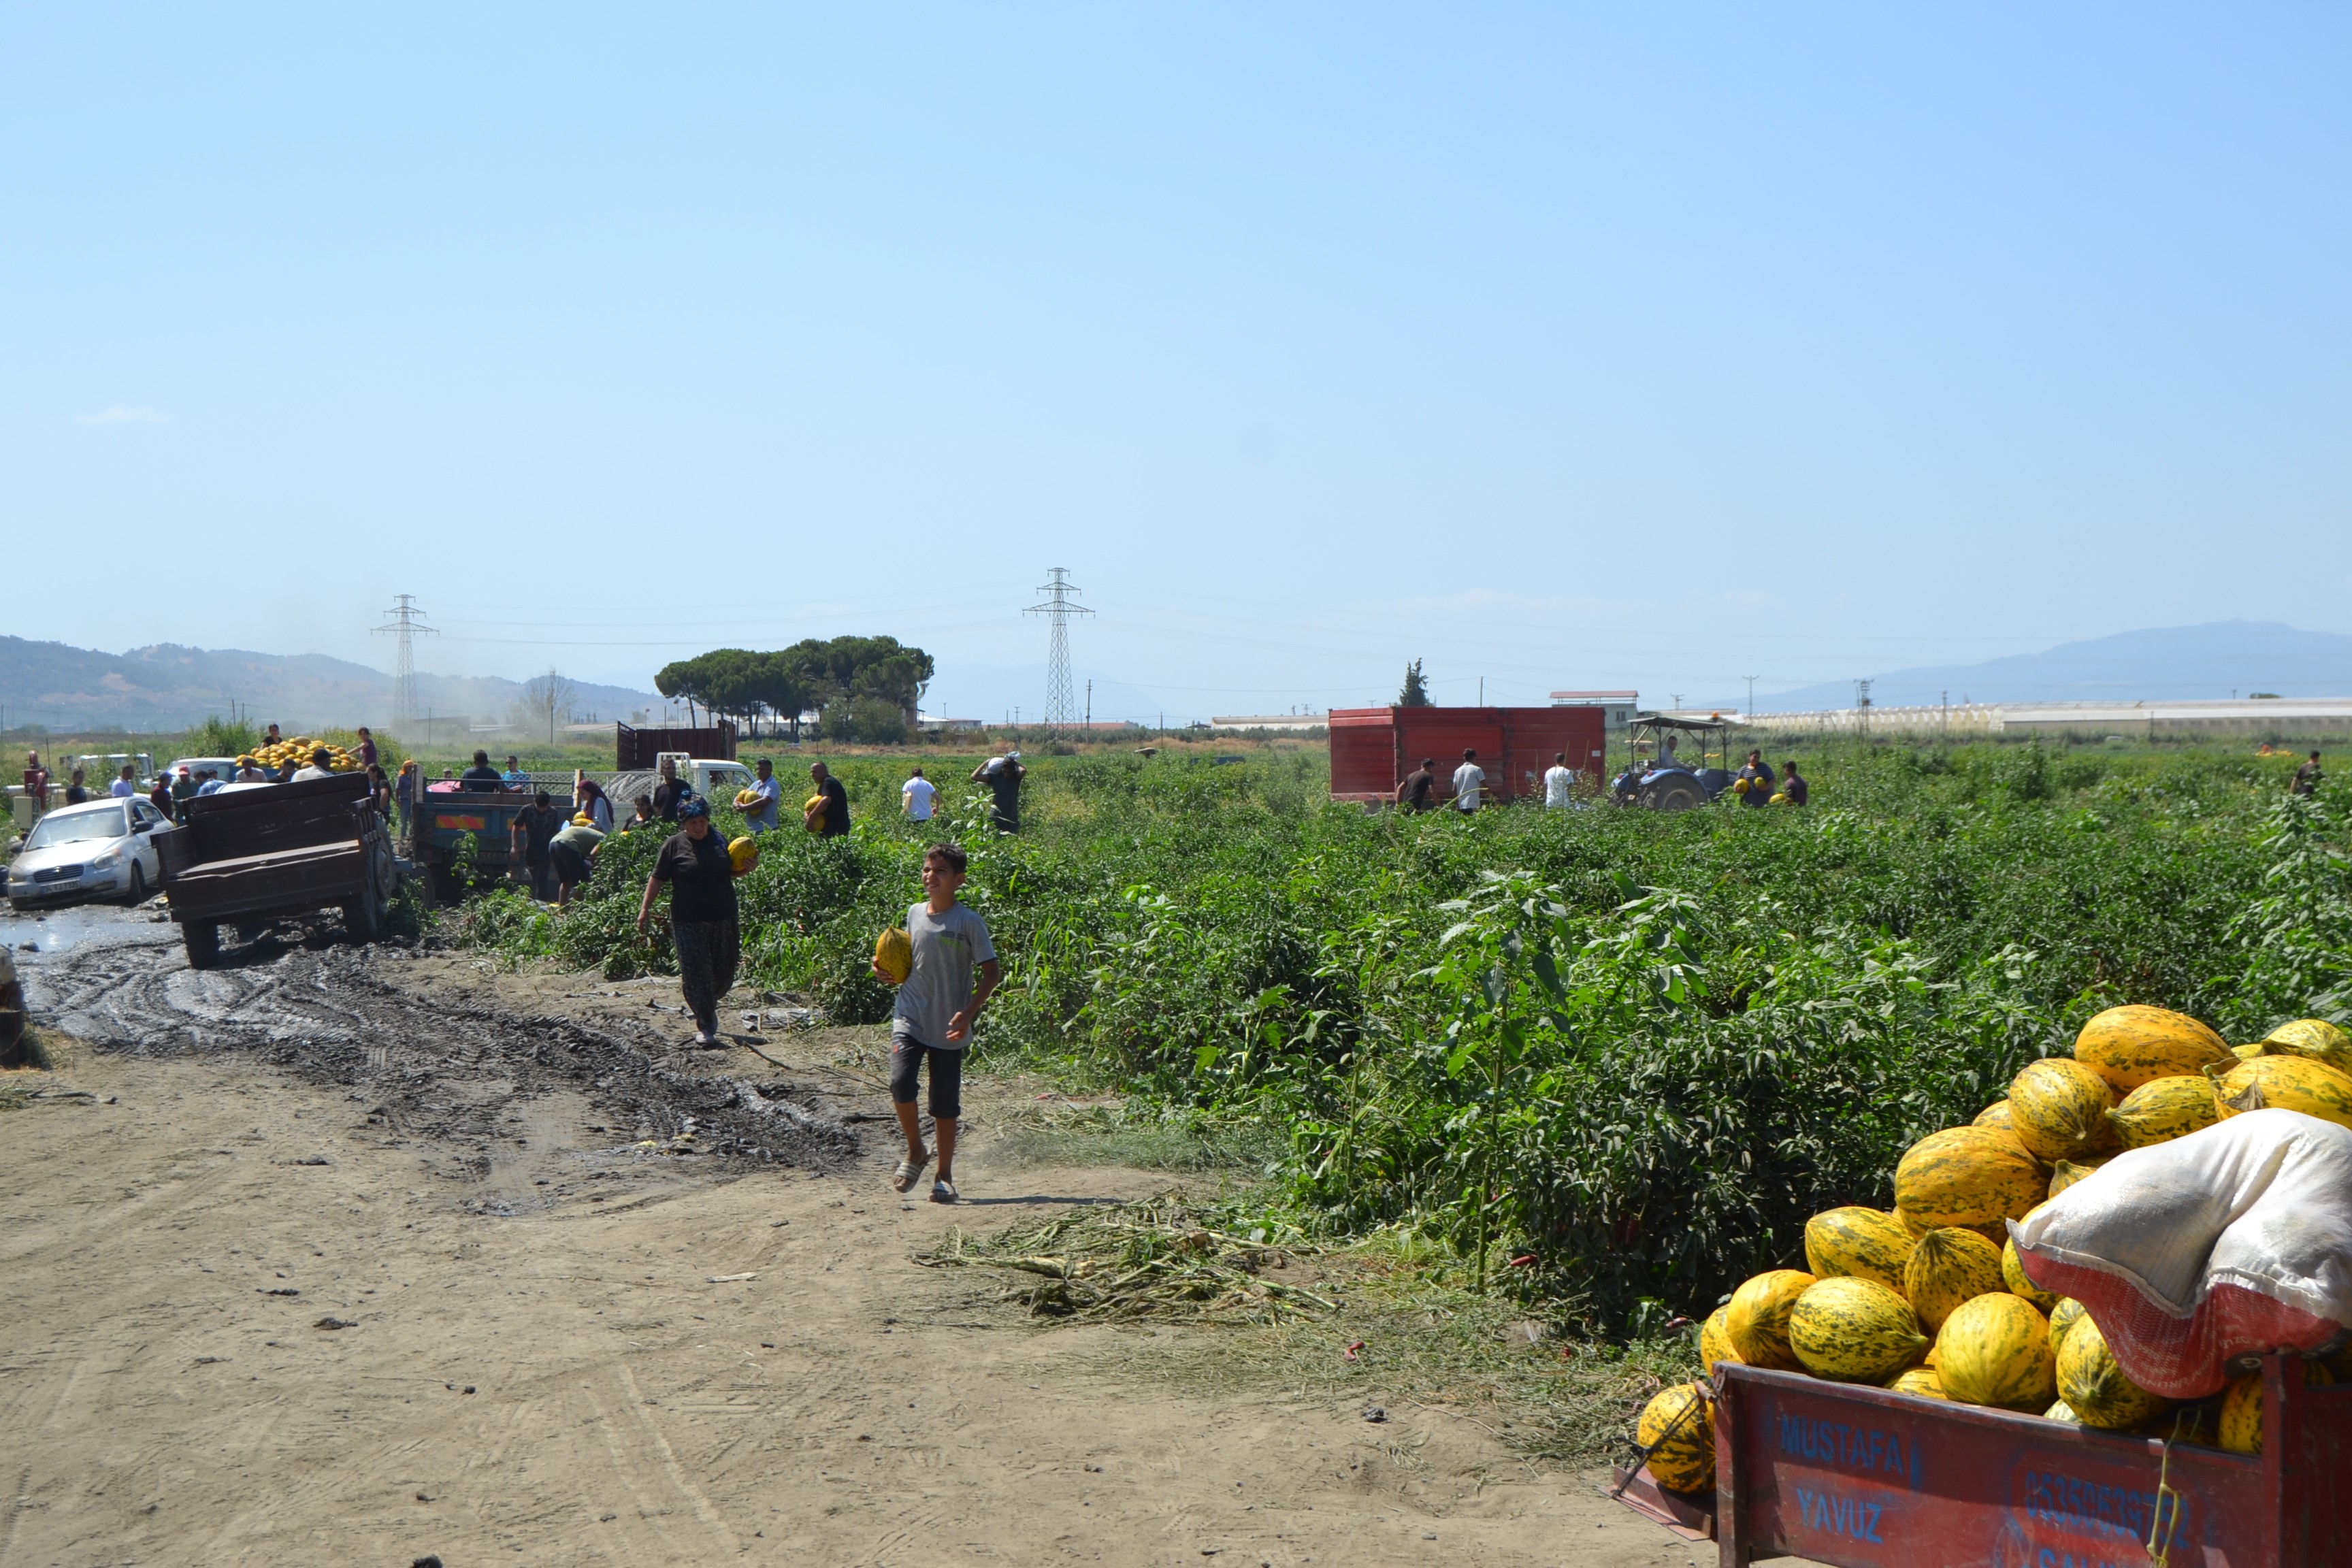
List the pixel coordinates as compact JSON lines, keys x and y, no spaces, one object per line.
{"x":168,"y":687}
{"x":2210,"y":660}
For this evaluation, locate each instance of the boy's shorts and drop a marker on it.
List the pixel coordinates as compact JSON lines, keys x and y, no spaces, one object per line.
{"x":906,"y":1055}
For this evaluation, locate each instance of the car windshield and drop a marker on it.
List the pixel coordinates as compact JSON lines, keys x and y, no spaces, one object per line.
{"x":73,"y":827}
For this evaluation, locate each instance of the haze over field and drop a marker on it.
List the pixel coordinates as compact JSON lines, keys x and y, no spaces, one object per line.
{"x":1556,"y":347}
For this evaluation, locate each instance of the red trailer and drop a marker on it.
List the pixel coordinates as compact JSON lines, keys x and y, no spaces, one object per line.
{"x":1864,"y":1477}
{"x":1373,"y":748}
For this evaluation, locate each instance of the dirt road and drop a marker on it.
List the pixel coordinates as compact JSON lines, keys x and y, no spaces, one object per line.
{"x":330,"y":1257}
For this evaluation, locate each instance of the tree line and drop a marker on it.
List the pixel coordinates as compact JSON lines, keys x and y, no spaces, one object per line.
{"x":862,"y":689}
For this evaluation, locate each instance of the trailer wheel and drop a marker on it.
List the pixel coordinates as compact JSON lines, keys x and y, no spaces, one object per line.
{"x":1675,"y":794}
{"x":363,"y":916}
{"x":203,"y":941}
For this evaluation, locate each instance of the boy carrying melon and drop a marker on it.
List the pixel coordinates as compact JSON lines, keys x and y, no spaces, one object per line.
{"x":936,"y":1009}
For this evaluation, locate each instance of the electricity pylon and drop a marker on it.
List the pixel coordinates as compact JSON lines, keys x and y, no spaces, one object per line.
{"x":406,"y":620}
{"x":1061,"y":702}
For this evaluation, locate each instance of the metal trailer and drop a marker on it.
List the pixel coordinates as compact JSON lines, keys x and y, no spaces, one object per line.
{"x":12,"y":1013}
{"x":639,"y":751}
{"x":1865,"y":1478}
{"x":445,"y":819}
{"x":1373,"y":748}
{"x":248,"y":855}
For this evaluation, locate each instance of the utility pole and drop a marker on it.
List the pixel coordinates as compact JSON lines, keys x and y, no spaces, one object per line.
{"x":406,"y":620}
{"x":1862,"y":709}
{"x":1751,"y":695}
{"x":1678,"y":702}
{"x":1090,"y":702}
{"x":1482,"y":691}
{"x":1058,"y":609}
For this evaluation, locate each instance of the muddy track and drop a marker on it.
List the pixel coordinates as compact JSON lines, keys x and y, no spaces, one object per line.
{"x":426,"y":1066}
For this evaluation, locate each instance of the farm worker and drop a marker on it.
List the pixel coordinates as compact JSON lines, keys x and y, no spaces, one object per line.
{"x":248,"y":772}
{"x":914,"y":797}
{"x":367,"y":748}
{"x":36,"y":783}
{"x":931,"y":1022}
{"x":1557,"y":779}
{"x":1003,"y":775}
{"x":644,"y":817}
{"x":571,"y":850}
{"x":404,"y":792}
{"x":767,"y":794}
{"x":2306,"y":777}
{"x":270,"y":737}
{"x":379,"y":791}
{"x":319,"y":758}
{"x":588,"y":797}
{"x":702,"y":928}
{"x":830,"y":815}
{"x":669,"y":792}
{"x":514,"y":777}
{"x":125,"y":784}
{"x":160,"y":796}
{"x":534,"y":829}
{"x":1792,"y":788}
{"x":1758,"y":776}
{"x":77,"y":791}
{"x":184,"y":790}
{"x":1468,"y":780}
{"x":1413,"y":794}
{"x":208,"y":783}
{"x":481,"y":775}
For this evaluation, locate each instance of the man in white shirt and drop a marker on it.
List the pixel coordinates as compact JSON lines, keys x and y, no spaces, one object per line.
{"x":1468,"y":779}
{"x":319,"y":758}
{"x":916,"y":795}
{"x":767,"y":793}
{"x":1557,"y":780}
{"x":122,"y":788}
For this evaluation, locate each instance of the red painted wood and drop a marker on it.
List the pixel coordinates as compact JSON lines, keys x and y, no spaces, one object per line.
{"x":1863,"y":1477}
{"x":1373,"y":748}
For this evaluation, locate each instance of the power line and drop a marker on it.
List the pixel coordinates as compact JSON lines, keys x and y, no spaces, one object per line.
{"x":406,"y":620}
{"x":1061,"y":702}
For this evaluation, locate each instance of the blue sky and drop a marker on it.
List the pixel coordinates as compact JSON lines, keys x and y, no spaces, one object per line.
{"x":1558,"y":346}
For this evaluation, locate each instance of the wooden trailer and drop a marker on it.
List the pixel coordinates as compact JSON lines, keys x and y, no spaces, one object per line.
{"x":1373,"y":748}
{"x":248,"y":856}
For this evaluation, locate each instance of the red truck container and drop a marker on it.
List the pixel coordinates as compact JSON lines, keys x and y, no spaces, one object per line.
{"x":1863,"y":1477}
{"x":1373,"y":748}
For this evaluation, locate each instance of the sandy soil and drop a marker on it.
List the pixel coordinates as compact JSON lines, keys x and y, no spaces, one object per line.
{"x":463,"y":1289}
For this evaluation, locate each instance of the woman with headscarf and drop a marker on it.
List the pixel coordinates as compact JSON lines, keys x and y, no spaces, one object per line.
{"x":695,"y":863}
{"x":589,"y":800}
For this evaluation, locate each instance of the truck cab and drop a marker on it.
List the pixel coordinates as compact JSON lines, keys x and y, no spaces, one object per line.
{"x":713,"y":778}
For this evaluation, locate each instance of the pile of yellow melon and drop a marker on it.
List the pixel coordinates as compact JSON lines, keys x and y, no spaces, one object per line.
{"x":1929,"y":1298}
{"x":298,"y":751}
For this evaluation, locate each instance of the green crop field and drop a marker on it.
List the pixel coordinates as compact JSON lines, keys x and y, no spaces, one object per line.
{"x":1604,"y":1058}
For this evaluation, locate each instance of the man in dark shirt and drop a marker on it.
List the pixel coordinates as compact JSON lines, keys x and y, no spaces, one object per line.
{"x":1413,"y":794}
{"x":834,"y":819}
{"x":535,"y":827}
{"x":1759,"y":774}
{"x":2306,"y":777}
{"x":481,"y":775}
{"x":1792,"y":786}
{"x":694,"y":862}
{"x":77,"y":791}
{"x":1003,"y":775}
{"x":669,"y":793}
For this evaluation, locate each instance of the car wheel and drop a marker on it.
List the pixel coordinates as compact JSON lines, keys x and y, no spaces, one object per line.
{"x":138,"y":884}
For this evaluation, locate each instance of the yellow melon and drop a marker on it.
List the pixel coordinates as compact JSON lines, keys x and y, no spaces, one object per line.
{"x":1995,"y":1350}
{"x":2241,"y":1408}
{"x":1677,"y":1432}
{"x":2000,"y":1113}
{"x":1757,"y":1318}
{"x":2290,"y":1083}
{"x":1866,"y":1243}
{"x":1855,"y":1331}
{"x":1948,"y":1266}
{"x":2090,"y":1381}
{"x":1972,"y":1176}
{"x":2013,"y":1274}
{"x":2061,"y":1411}
{"x":742,"y":854}
{"x":2130,"y":1046}
{"x":2062,"y":1318}
{"x":894,"y":955}
{"x":2065,"y":1174}
{"x":2164,"y":1109}
{"x":1715,"y":1340}
{"x":2058,"y":1108}
{"x":1919,"y":1380}
{"x":2314,"y":1038}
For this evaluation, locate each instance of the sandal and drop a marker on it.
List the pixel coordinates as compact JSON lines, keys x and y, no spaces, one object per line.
{"x":903,"y":1178}
{"x":943,"y":1191}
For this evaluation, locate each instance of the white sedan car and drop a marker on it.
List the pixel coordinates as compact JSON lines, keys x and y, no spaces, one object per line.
{"x":100,"y":847}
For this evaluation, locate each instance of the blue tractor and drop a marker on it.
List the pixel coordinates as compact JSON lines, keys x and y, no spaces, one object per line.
{"x":1675,"y":761}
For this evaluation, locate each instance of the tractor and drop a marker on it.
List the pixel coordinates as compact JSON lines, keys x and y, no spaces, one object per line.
{"x":1663,"y":773}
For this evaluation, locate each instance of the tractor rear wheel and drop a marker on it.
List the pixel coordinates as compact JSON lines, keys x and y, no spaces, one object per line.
{"x":1675,"y":794}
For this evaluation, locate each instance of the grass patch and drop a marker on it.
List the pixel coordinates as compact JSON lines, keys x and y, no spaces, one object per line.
{"x":1110,"y":1135}
{"x":1258,"y":1307}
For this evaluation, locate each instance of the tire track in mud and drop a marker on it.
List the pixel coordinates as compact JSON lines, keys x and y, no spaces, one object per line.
{"x":428,"y":1067}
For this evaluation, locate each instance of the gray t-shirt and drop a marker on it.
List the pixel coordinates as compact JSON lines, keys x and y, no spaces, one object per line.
{"x":947,"y":949}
